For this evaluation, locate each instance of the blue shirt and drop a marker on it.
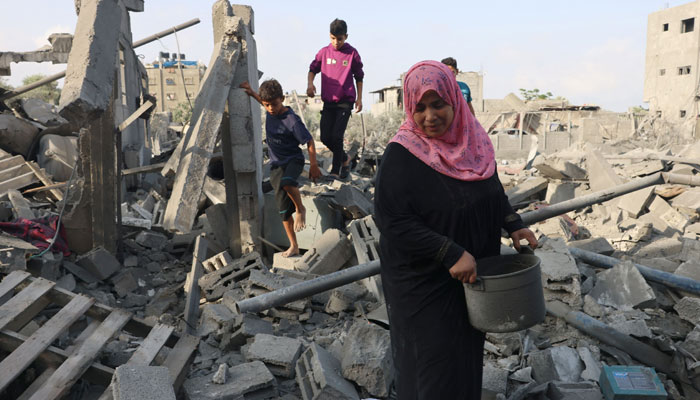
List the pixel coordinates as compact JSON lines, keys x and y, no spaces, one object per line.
{"x":284,"y":133}
{"x":465,"y":91}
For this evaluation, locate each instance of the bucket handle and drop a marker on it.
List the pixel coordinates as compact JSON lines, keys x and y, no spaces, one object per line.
{"x":477,"y":285}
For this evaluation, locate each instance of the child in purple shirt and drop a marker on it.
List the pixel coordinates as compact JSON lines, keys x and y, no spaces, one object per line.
{"x":338,"y":64}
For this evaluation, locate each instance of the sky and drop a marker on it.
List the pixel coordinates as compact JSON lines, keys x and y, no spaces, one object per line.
{"x":589,"y":52}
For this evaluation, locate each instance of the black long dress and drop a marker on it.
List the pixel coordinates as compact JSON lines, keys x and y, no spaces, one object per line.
{"x":426,"y":221}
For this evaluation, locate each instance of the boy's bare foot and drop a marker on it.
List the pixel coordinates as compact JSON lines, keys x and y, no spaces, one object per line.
{"x":300,"y":220}
{"x":291,"y":251}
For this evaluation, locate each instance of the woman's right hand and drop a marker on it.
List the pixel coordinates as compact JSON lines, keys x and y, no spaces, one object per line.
{"x":464,"y":269}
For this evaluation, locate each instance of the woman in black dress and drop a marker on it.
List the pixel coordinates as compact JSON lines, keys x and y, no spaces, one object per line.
{"x":439,"y":206}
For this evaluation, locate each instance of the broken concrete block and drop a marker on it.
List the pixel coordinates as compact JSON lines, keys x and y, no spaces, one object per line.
{"x":623,"y":287}
{"x":690,"y":250}
{"x":662,"y":247}
{"x":99,"y":262}
{"x":637,"y":202}
{"x":344,"y":297}
{"x":215,"y":317}
{"x":250,"y":326}
{"x":557,"y":168}
{"x":493,"y":381}
{"x":353,"y":202}
{"x":689,"y":269}
{"x":151,"y":240}
{"x":598,"y":245}
{"x":560,"y":275}
{"x":366,"y":358}
{"x":131,"y":382}
{"x":82,"y":274}
{"x":526,"y":189}
{"x":574,"y":391}
{"x":332,"y":250}
{"x":217,"y":262}
{"x":692,"y":342}
{"x":245,"y":381}
{"x":662,"y":210}
{"x":591,"y":365}
{"x":559,"y":363}
{"x":635,"y":327}
{"x":558,"y":192}
{"x":279,"y":353}
{"x":16,"y":134}
{"x":214,"y":284}
{"x":319,"y":377}
{"x":282,"y":262}
{"x":42,"y":112}
{"x":220,"y":375}
{"x":90,"y":74}
{"x":688,"y":308}
{"x":125,"y":282}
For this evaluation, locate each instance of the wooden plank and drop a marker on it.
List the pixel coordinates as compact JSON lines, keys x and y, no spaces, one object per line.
{"x":36,"y":384}
{"x":179,"y":358}
{"x":131,"y":118}
{"x":191,"y":284}
{"x":10,"y":162}
{"x":57,"y":194}
{"x":25,"y":354}
{"x":142,"y":169}
{"x":10,"y":282}
{"x":53,"y":357}
{"x":74,"y":367}
{"x":92,"y":326}
{"x":18,"y":182}
{"x":13,"y":171}
{"x":23,"y":299}
{"x":147,"y":352}
{"x":44,"y":188}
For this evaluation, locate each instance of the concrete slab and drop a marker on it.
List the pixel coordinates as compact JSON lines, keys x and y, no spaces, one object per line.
{"x":661,"y":209}
{"x":343,"y":298}
{"x":494,"y":381}
{"x":600,"y":174}
{"x":623,"y":287}
{"x":142,"y":383}
{"x":558,"y":192}
{"x":689,"y":269}
{"x":250,"y":326}
{"x":636,"y":203}
{"x":245,"y":381}
{"x":598,"y":245}
{"x":574,"y":391}
{"x":688,"y":308}
{"x":366,"y":358}
{"x":688,"y":201}
{"x":353,"y":202}
{"x":16,"y":134}
{"x":318,"y":375}
{"x":592,"y":366}
{"x":279,"y":353}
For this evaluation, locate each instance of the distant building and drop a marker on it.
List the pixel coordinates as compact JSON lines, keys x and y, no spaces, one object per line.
{"x":475,"y":81}
{"x":307,"y":104}
{"x":671,"y":73}
{"x":172,"y":85}
{"x":387,"y":99}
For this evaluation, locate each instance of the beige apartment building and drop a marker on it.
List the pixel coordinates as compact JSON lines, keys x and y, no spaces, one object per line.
{"x":172,"y":85}
{"x":672,"y":62}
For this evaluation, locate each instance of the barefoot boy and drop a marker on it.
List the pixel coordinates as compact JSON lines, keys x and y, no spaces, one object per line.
{"x":284,"y":133}
{"x":338,"y":63}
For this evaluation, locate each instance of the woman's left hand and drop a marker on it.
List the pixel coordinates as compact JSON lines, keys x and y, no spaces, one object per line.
{"x":526,"y":234}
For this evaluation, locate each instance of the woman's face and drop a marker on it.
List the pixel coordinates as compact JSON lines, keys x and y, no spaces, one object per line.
{"x":433,"y":115}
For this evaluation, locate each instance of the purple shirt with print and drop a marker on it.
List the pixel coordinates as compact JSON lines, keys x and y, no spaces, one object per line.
{"x":337,"y":68}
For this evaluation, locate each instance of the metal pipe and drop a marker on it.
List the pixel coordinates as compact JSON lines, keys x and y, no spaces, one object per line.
{"x":307,"y":288}
{"x":606,"y":334}
{"x":674,"y":281}
{"x":55,"y":77}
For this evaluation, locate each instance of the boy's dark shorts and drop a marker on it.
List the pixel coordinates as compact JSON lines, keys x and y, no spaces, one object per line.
{"x":285,"y":175}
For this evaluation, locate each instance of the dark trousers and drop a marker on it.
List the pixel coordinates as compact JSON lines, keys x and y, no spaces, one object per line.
{"x":334,"y":120}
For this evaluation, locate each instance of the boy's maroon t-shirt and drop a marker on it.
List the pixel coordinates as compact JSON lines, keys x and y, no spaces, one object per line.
{"x":338,"y":68}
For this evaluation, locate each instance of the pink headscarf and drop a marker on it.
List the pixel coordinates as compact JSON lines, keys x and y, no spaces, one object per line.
{"x":465,"y":151}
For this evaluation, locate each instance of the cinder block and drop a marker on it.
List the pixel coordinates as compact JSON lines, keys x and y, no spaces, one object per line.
{"x":367,"y":358}
{"x":319,"y":378}
{"x":328,"y":254}
{"x":99,"y":262}
{"x":217,"y":262}
{"x":344,"y":297}
{"x":214,"y":284}
{"x":279,"y":353}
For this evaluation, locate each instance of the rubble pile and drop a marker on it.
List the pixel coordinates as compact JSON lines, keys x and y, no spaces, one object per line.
{"x":127,"y":273}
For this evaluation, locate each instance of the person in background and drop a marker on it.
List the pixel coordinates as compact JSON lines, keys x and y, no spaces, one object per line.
{"x":466,"y":92}
{"x":439,"y":207}
{"x":338,"y":64}
{"x":285,"y":131}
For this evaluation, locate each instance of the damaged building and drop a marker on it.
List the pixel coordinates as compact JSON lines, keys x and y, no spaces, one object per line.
{"x":138,"y":260}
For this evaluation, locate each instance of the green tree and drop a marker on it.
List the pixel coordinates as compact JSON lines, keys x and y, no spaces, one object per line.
{"x":535,"y":94}
{"x":4,"y":84}
{"x":182,"y":113}
{"x":49,"y":92}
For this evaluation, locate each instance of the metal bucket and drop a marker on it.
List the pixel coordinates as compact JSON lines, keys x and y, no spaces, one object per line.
{"x":507,"y":295}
